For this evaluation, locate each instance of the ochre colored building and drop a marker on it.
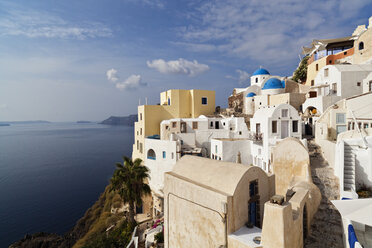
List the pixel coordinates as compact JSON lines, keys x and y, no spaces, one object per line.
{"x":173,"y":104}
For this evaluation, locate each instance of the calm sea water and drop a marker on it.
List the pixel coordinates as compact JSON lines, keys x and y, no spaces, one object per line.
{"x":50,"y":174}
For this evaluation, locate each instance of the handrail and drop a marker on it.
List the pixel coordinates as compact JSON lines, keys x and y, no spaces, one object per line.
{"x":360,"y":132}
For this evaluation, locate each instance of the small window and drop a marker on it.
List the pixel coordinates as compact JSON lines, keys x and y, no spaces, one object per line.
{"x":169,"y":101}
{"x":360,"y":125}
{"x":137,"y":144}
{"x":137,"y":133}
{"x":141,"y":147}
{"x":312,"y":82}
{"x":330,"y":62}
{"x":141,"y":116}
{"x":295,"y":126}
{"x":349,"y":126}
{"x":172,"y":155}
{"x":345,"y":53}
{"x":284,"y":112}
{"x":274,"y":126}
{"x":358,"y":83}
{"x":174,"y":124}
{"x":212,"y":156}
{"x":216,"y":148}
{"x":181,"y":142}
{"x":326,"y":72}
{"x":204,"y":101}
{"x":194,"y":125}
{"x":166,"y":127}
{"x":240,"y":132}
{"x":361,"y":45}
{"x":164,"y":154}
{"x":317,"y":67}
{"x":211,"y":123}
{"x":151,"y":154}
{"x":340,"y":118}
{"x":141,"y":131}
{"x":256,"y":80}
{"x":223,"y":123}
{"x":365,"y":125}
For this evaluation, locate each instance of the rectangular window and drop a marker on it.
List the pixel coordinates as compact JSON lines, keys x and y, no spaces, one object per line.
{"x":317,"y":67}
{"x":326,"y":72}
{"x":358,"y":83}
{"x":137,"y":145}
{"x":284,"y":112}
{"x":340,"y":118}
{"x":295,"y":126}
{"x":204,"y":101}
{"x":141,"y":131}
{"x":274,"y":126}
{"x":365,"y":125}
{"x":334,"y":88}
{"x":312,"y":82}
{"x":216,"y":149}
{"x":172,"y":155}
{"x":164,"y":154}
{"x":340,"y":128}
{"x":211,"y":123}
{"x":141,"y":148}
{"x":174,"y":124}
{"x":194,"y":125}
{"x":349,"y":126}
{"x":141,"y":116}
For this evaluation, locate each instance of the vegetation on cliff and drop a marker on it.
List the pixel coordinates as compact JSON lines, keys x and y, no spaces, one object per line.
{"x":300,"y":73}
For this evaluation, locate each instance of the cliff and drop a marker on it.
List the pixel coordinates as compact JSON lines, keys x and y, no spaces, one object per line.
{"x":122,"y":121}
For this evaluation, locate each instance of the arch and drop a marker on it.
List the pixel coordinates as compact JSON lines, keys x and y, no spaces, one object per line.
{"x":151,"y":154}
{"x":361,"y":45}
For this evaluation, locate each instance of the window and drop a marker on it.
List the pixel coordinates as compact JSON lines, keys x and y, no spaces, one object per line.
{"x":370,"y":86}
{"x":330,"y":62}
{"x":174,"y":124}
{"x":164,"y":154}
{"x":295,"y":126}
{"x":317,"y":67}
{"x":151,"y":154}
{"x":258,"y":128}
{"x":141,"y":131}
{"x":204,"y":101}
{"x":141,"y":116}
{"x":326,"y":72}
{"x":137,"y":144}
{"x":166,"y":127}
{"x":211,"y":123}
{"x":194,"y":125}
{"x":169,"y":102}
{"x":359,"y":125}
{"x":216,"y":148}
{"x":349,"y":126}
{"x":340,"y":118}
{"x":212,"y":156}
{"x":312,"y":82}
{"x":256,"y":80}
{"x":365,"y":125}
{"x":141,"y":147}
{"x":361,"y":45}
{"x":240,"y":132}
{"x":181,"y":142}
{"x":284,"y":112}
{"x":274,"y":126}
{"x":172,"y":155}
{"x":358,"y":83}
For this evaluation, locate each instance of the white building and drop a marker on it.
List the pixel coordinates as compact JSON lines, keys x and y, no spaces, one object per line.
{"x":336,"y":82}
{"x":269,"y":125}
{"x":185,"y":136}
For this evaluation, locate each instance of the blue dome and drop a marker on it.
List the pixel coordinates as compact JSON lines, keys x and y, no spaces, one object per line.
{"x":273,"y":83}
{"x":283,"y":83}
{"x":261,"y":71}
{"x":250,"y":94}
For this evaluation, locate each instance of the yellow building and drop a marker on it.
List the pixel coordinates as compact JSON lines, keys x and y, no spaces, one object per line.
{"x":173,"y":104}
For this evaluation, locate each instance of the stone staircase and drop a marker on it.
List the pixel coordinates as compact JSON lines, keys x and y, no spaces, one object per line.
{"x":349,"y":169}
{"x":326,"y":229}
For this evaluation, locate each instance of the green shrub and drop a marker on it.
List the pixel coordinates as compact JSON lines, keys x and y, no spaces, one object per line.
{"x":159,"y":237}
{"x":300,"y":73}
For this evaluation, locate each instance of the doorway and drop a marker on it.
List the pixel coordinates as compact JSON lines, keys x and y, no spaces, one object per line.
{"x":217,"y":125}
{"x":254,"y":216}
{"x":284,"y":129}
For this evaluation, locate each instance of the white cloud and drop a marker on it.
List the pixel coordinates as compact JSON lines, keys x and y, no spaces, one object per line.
{"x":34,"y":24}
{"x":266,"y":30}
{"x":131,"y":83}
{"x":112,"y":75}
{"x":180,"y":66}
{"x":243,"y":76}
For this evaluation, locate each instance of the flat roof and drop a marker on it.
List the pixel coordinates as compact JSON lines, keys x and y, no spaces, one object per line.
{"x":246,"y":235}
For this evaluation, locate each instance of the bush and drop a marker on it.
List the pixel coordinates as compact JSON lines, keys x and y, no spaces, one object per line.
{"x":159,"y":237}
{"x":300,"y":73}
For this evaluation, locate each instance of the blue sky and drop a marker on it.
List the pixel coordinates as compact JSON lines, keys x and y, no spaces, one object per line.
{"x":86,"y":60}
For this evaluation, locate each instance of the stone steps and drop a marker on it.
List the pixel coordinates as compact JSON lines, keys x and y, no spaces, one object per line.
{"x":326,"y":228}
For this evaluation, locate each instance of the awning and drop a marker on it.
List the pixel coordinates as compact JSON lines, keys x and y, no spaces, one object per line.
{"x":355,"y":210}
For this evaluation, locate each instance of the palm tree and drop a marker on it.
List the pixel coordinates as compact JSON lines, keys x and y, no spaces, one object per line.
{"x":129,"y":182}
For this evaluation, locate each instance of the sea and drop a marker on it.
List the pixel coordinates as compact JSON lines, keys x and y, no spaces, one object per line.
{"x":51,"y":173}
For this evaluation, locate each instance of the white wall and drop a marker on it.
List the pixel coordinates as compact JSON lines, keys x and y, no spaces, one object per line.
{"x":227,"y":150}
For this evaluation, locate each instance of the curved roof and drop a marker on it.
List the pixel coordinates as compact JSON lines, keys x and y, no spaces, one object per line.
{"x":283,"y":83}
{"x":218,"y":175}
{"x":250,"y":94}
{"x":273,"y":83}
{"x":261,"y":71}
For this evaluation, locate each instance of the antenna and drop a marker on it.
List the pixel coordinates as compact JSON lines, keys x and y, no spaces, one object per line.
{"x":146,"y":100}
{"x":139,"y":101}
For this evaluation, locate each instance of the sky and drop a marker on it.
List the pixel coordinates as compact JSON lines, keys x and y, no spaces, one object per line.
{"x":87,"y":60}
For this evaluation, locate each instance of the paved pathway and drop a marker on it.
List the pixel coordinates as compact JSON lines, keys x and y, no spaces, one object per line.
{"x":326,"y":229}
